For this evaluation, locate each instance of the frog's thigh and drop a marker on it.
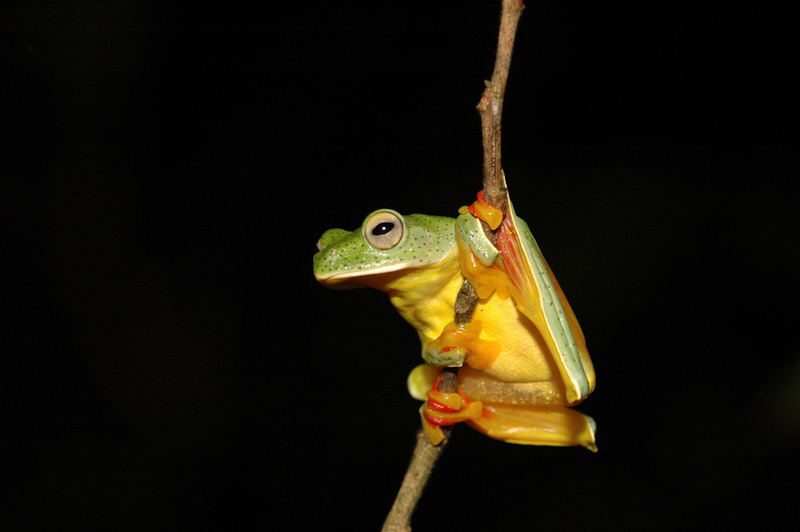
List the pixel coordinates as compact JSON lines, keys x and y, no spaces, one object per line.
{"x":420,"y":380}
{"x":480,"y":386}
{"x":536,"y":425}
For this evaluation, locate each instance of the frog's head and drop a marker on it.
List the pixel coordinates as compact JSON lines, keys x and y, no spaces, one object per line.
{"x":386,"y":242}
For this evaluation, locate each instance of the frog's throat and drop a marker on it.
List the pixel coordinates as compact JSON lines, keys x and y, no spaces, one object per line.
{"x":424,"y":297}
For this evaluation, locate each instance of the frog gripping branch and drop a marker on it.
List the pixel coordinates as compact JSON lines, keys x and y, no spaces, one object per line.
{"x":502,"y":348}
{"x":523,"y":357}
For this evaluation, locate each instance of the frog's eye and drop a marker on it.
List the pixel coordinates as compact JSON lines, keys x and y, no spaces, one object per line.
{"x":384,"y":229}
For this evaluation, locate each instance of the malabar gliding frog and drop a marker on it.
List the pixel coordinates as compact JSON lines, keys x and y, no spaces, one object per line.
{"x":523,"y":357}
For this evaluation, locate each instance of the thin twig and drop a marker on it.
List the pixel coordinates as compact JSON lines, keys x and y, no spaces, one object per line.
{"x":422,"y":462}
{"x":490,"y":108}
{"x":491,"y":105}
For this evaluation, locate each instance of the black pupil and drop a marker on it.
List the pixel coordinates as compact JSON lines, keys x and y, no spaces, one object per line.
{"x":382,"y":229}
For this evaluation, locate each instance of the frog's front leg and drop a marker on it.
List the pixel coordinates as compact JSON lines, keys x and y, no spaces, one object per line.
{"x":459,"y":343}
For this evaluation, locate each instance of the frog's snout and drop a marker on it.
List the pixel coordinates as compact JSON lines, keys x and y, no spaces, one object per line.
{"x":319,"y":244}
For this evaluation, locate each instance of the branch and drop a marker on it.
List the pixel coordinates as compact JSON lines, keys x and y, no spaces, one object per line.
{"x":491,"y":105}
{"x":422,"y":462}
{"x":490,"y":108}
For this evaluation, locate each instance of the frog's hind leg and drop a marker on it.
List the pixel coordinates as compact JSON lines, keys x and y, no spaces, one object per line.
{"x":536,"y":425}
{"x":440,"y":409}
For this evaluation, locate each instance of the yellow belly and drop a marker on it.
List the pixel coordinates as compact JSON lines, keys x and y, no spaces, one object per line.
{"x":523,"y":356}
{"x":524,"y":371}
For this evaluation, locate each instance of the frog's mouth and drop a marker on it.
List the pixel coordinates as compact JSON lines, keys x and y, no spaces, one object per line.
{"x":357,"y":277}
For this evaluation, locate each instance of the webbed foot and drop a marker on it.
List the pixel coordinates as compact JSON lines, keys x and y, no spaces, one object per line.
{"x":459,"y":343}
{"x":443,"y":409}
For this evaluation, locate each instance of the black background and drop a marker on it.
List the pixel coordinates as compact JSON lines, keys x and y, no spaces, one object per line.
{"x":171,"y":364}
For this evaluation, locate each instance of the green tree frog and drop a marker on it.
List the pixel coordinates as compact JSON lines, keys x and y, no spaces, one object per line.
{"x":523,"y":357}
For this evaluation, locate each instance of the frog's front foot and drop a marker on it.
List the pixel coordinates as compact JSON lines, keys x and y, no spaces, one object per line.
{"x":443,"y":409}
{"x":444,"y":358}
{"x":459,"y":343}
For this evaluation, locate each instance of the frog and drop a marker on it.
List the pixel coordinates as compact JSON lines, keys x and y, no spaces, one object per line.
{"x":522,"y":356}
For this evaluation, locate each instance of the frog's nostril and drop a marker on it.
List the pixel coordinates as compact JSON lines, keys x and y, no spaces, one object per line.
{"x":319,"y":245}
